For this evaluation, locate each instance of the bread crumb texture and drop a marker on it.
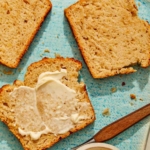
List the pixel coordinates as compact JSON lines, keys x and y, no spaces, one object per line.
{"x":7,"y":105}
{"x":19,"y":22}
{"x":110,"y":36}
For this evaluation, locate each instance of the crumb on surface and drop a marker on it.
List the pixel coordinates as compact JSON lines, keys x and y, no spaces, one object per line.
{"x":123,"y":83}
{"x":139,"y":4}
{"x":57,"y":55}
{"x":113,"y":89}
{"x":8,"y":72}
{"x":47,"y":51}
{"x":133,"y":96}
{"x":19,"y":69}
{"x":141,"y":99}
{"x":106,"y":112}
{"x":131,"y":103}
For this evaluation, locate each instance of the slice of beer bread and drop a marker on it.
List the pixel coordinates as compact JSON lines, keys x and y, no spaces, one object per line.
{"x":110,"y":35}
{"x":19,"y":22}
{"x":34,"y":70}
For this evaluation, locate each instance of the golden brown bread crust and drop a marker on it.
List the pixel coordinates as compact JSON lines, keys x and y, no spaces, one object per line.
{"x":15,"y":61}
{"x":33,"y":71}
{"x":100,"y":71}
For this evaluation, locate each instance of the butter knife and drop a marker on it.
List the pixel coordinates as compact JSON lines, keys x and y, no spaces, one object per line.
{"x":119,"y":126}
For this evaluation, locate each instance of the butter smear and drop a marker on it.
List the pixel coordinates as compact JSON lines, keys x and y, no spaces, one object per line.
{"x":50,"y":107}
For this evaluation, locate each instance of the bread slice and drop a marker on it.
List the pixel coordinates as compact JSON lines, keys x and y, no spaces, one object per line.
{"x":110,"y":36}
{"x":19,"y":22}
{"x":34,"y":70}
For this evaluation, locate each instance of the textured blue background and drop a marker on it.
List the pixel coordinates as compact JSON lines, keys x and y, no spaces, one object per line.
{"x":55,"y":35}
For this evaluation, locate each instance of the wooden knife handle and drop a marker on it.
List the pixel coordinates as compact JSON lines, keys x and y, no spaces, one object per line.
{"x":122,"y":124}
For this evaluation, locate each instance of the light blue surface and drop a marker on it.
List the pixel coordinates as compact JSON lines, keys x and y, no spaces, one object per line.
{"x":55,"y":35}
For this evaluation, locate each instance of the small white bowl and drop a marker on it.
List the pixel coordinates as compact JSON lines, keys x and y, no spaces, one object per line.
{"x":97,"y":146}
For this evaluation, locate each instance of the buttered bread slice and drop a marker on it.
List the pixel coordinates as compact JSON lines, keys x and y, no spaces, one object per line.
{"x":110,"y":36}
{"x":20,"y":20}
{"x":49,"y":105}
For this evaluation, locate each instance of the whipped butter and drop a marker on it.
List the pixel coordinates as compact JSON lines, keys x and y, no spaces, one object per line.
{"x":50,"y":107}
